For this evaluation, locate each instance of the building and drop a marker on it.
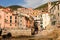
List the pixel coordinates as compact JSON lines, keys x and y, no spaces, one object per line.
{"x":7,"y":19}
{"x":55,"y":14}
{"x":42,"y":18}
{"x":2,"y":17}
{"x":45,"y":19}
{"x":24,"y":17}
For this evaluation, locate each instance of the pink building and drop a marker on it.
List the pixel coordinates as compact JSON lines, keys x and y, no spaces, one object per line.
{"x":2,"y":15}
{"x":27,"y":12}
{"x":7,"y":19}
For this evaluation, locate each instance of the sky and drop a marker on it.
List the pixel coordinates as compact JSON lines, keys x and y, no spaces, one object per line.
{"x":24,"y":3}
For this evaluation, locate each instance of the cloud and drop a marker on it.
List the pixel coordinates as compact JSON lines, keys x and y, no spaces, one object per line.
{"x":34,"y":3}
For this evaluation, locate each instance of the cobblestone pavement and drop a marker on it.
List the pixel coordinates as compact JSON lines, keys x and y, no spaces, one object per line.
{"x":51,"y":36}
{"x":27,"y":38}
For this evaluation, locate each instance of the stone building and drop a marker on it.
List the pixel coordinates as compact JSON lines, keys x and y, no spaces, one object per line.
{"x":44,"y":19}
{"x":55,"y":14}
{"x":24,"y":17}
{"x":2,"y":17}
{"x":7,"y":19}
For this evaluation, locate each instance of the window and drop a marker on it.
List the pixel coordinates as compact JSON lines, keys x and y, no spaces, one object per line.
{"x":41,"y":15}
{"x":58,"y":7}
{"x":35,"y":16}
{"x":10,"y":24}
{"x":15,"y":21}
{"x":7,"y":16}
{"x":41,"y":22}
{"x":10,"y":21}
{"x":15,"y":17}
{"x":54,"y":17}
{"x":41,"y":26}
{"x":58,"y":14}
{"x":33,"y":13}
{"x":6,"y":20}
{"x":15,"y":24}
{"x":41,"y":19}
{"x":20,"y":24}
{"x":20,"y":20}
{"x":53,"y":22}
{"x":10,"y":17}
{"x":6,"y":12}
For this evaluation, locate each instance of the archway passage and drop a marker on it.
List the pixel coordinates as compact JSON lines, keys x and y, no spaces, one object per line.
{"x":27,"y":22}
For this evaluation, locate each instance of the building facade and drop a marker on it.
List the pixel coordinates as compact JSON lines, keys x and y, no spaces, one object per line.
{"x":24,"y":17}
{"x":55,"y":14}
{"x":46,"y":19}
{"x":7,"y":19}
{"x":2,"y":17}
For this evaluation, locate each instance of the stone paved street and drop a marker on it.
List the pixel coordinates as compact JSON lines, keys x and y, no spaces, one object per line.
{"x":39,"y":36}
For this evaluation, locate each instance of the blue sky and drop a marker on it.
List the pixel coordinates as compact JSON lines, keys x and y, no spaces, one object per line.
{"x":25,"y":3}
{"x":11,"y":2}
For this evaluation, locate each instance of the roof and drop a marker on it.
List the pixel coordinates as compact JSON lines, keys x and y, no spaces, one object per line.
{"x":55,"y":4}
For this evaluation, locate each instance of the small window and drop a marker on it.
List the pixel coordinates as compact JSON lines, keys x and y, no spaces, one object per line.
{"x":41,"y":22}
{"x":54,"y":17}
{"x":10,"y":24}
{"x":10,"y":21}
{"x":10,"y":17}
{"x":58,"y":14}
{"x":33,"y":13}
{"x":41,"y":26}
{"x":53,"y":23}
{"x":41,"y":19}
{"x":58,"y":7}
{"x":6,"y":12}
{"x":15,"y":17}
{"x":7,"y":16}
{"x":20,"y":24}
{"x":6,"y":20}
{"x":35,"y":16}
{"x":15,"y":21}
{"x":15,"y":24}
{"x":41,"y":15}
